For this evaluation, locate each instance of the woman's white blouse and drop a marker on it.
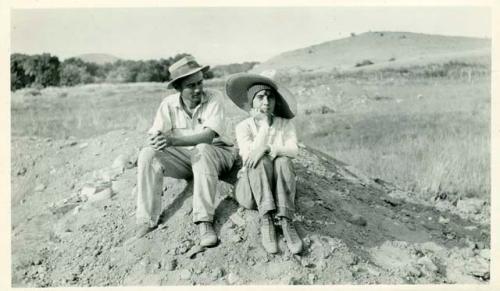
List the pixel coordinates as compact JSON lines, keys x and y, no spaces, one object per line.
{"x":281,"y":137}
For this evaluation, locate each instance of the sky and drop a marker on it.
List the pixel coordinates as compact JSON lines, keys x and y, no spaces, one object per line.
{"x":223,"y":35}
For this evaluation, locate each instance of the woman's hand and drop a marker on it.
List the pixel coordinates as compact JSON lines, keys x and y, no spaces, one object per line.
{"x":255,"y":156}
{"x":262,"y":118}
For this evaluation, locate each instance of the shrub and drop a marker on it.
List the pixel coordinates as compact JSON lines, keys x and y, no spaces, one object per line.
{"x":32,"y":92}
{"x":326,"y":109}
{"x":44,"y":69}
{"x":18,"y":77}
{"x":41,"y":70}
{"x":364,"y":63}
{"x":72,"y":75}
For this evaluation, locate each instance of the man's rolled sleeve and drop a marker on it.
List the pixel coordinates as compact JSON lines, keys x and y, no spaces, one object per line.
{"x":215,"y":117}
{"x":162,"y":121}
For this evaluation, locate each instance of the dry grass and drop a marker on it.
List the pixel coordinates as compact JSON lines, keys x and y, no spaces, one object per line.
{"x":429,"y":153}
{"x":428,"y":134}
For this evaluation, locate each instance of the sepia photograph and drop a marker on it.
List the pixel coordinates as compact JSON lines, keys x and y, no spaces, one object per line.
{"x":250,"y":145}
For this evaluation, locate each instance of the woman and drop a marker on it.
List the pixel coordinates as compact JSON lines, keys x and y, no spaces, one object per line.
{"x":267,"y":142}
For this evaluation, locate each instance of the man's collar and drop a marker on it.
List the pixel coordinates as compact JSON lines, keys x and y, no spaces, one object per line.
{"x":204,"y":99}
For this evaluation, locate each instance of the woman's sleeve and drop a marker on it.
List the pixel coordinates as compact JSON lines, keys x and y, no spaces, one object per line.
{"x":246,"y":139}
{"x":290,"y":146}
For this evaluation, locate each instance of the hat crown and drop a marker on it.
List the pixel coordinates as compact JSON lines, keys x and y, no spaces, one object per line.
{"x":183,"y":66}
{"x":239,"y":85}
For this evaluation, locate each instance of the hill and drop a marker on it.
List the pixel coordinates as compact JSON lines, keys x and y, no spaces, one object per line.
{"x":225,"y":70}
{"x":73,"y":216}
{"x":98,"y":58}
{"x":383,"y":49}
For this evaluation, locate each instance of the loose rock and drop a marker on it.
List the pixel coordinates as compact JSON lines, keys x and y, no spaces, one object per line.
{"x":217,"y":273}
{"x":232,"y":278}
{"x":108,"y":174}
{"x":87,"y":191}
{"x":185,"y":246}
{"x":290,"y":280}
{"x":485,"y":253}
{"x":237,"y":219}
{"x":358,"y":220}
{"x":21,"y":171}
{"x":170,"y":265}
{"x":122,"y":162}
{"x":443,"y":220}
{"x":194,"y":251}
{"x":103,"y":195}
{"x":236,"y":238}
{"x":428,"y":263}
{"x":470,"y":206}
{"x":311,"y":278}
{"x":40,"y":187}
{"x":185,"y":274}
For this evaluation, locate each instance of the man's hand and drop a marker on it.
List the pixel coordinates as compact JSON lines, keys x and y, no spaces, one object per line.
{"x":158,"y":141}
{"x":255,"y":156}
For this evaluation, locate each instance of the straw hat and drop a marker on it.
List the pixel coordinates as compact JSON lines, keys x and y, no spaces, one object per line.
{"x":237,"y":87}
{"x":183,"y":68}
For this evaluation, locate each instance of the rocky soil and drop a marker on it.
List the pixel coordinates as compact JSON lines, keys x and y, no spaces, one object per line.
{"x":73,"y":206}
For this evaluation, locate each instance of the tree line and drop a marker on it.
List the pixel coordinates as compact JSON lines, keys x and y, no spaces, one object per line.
{"x":45,"y":70}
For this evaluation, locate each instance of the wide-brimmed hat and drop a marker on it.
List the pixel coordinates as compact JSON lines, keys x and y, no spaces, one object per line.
{"x":183,"y":68}
{"x":237,"y":86}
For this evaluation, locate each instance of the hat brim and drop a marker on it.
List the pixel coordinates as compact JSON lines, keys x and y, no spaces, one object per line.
{"x":170,"y":84}
{"x":237,"y":86}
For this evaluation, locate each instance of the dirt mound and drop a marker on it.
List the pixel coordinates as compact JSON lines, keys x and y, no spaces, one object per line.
{"x":73,"y":208}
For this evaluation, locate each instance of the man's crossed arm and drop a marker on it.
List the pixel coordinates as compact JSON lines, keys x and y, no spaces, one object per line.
{"x":159,"y":141}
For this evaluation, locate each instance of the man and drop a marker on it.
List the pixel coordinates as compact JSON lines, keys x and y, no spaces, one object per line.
{"x":187,"y":140}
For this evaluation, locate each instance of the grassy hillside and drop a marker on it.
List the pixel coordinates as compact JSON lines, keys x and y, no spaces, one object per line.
{"x":426,"y":129}
{"x":383,"y":49}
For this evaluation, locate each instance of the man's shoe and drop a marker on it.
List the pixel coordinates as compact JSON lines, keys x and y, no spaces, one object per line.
{"x":293,"y":240}
{"x":143,"y":229}
{"x":208,"y":237}
{"x":268,"y":234}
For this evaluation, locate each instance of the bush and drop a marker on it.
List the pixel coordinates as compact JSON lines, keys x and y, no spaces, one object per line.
{"x":46,"y":70}
{"x":323,"y":109}
{"x":41,"y":70}
{"x":364,"y":63}
{"x":18,"y":77}
{"x":72,"y":75}
{"x":32,"y":92}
